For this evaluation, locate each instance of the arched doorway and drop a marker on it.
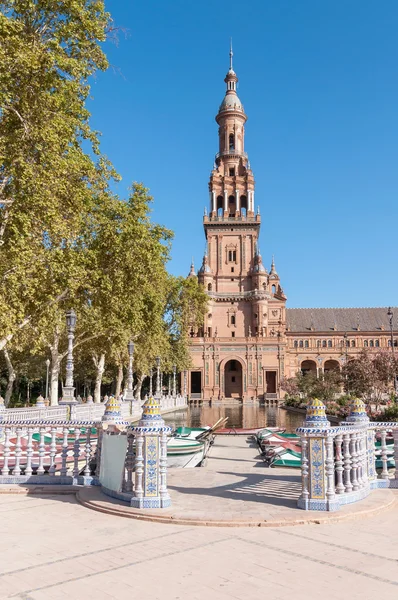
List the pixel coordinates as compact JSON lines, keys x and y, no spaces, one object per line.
{"x":331,"y":365}
{"x":308,"y":366}
{"x":233,"y":379}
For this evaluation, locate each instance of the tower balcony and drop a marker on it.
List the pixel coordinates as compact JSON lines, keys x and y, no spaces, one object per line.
{"x":222,"y":219}
{"x":232,"y":154}
{"x":248,"y":295}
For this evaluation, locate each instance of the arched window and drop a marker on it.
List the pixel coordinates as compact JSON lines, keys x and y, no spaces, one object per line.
{"x":318,"y":343}
{"x":231,"y":142}
{"x":353,"y":344}
{"x":377,"y":344}
{"x":209,"y":287}
{"x":323,"y":343}
{"x":301,"y":345}
{"x":365,"y":343}
{"x":295,"y":343}
{"x":329,"y":343}
{"x":306,"y":345}
{"x":274,"y":289}
{"x":371,"y":343}
{"x":233,"y":320}
{"x":231,"y":206}
{"x":243,"y":205}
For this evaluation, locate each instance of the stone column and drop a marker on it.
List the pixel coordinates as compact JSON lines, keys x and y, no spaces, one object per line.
{"x":150,"y":490}
{"x":237,"y":201}
{"x":317,"y":468}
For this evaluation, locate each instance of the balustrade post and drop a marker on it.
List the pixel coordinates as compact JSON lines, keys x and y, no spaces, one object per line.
{"x":354,"y":462}
{"x":18,"y":452}
{"x":5,"y":469}
{"x":347,"y":462}
{"x":76,"y":452}
{"x":329,"y":467}
{"x":29,"y":452}
{"x":317,"y":468}
{"x":100,"y":433}
{"x":87,"y":468}
{"x":359,"y":459}
{"x":42,"y":451}
{"x":304,"y":470}
{"x":395,"y":437}
{"x":128,"y":487}
{"x":384,"y":458}
{"x":53,"y":450}
{"x":64,"y":455}
{"x":370,"y":455}
{"x":339,"y":464}
{"x":139,"y":466}
{"x":151,"y":458}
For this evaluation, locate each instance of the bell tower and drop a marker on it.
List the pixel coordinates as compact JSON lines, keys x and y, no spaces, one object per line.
{"x":231,"y":182}
{"x":242,"y":348}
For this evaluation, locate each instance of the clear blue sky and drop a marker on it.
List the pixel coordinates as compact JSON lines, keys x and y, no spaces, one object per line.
{"x":319,"y":84}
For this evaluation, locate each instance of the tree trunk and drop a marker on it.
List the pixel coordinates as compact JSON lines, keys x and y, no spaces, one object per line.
{"x":138,"y":388}
{"x":119,"y":380}
{"x":100,"y":366}
{"x":11,"y":377}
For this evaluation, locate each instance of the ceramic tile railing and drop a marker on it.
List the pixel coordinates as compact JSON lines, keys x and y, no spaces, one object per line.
{"x":57,"y":452}
{"x":55,"y":413}
{"x":83,"y":412}
{"x":338,"y":464}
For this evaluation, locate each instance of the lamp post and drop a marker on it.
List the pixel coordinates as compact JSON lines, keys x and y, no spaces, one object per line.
{"x":185,"y":384}
{"x":130,"y":394}
{"x":68,"y":391}
{"x":48,"y":366}
{"x":390,"y":316}
{"x":150,"y":382}
{"x":346,"y":361}
{"x":174,"y":380}
{"x":157,"y":393}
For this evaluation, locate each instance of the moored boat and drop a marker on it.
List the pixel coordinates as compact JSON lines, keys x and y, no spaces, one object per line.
{"x":245,"y":431}
{"x":185,"y":453}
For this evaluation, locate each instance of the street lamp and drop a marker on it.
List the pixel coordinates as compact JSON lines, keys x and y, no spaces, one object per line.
{"x":390,"y":316}
{"x":48,"y":366}
{"x":174,"y":380}
{"x":129,"y":394}
{"x":157,"y":394}
{"x":68,"y":392}
{"x":346,"y":362}
{"x":150,"y":382}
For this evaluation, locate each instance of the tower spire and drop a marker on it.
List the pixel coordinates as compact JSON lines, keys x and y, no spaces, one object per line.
{"x":231,"y":54}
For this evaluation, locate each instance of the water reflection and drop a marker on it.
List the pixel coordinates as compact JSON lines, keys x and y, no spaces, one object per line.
{"x":238,"y":415}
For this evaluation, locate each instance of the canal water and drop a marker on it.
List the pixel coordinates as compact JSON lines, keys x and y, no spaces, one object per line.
{"x":239,"y":415}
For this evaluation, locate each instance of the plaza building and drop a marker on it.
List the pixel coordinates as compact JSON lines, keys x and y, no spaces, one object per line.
{"x":250,"y":340}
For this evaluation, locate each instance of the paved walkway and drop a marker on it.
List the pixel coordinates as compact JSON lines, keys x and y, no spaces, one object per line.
{"x":54,"y":548}
{"x":235,"y":488}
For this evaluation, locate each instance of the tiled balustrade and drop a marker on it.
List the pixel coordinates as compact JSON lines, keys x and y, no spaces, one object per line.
{"x":57,"y":452}
{"x":338,"y":464}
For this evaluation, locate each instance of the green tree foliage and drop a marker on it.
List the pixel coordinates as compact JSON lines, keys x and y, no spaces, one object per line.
{"x":49,"y":181}
{"x":308,"y":385}
{"x":65,"y":239}
{"x":371,"y":375}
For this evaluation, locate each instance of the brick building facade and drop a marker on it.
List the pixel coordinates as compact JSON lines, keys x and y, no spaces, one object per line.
{"x":250,"y":340}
